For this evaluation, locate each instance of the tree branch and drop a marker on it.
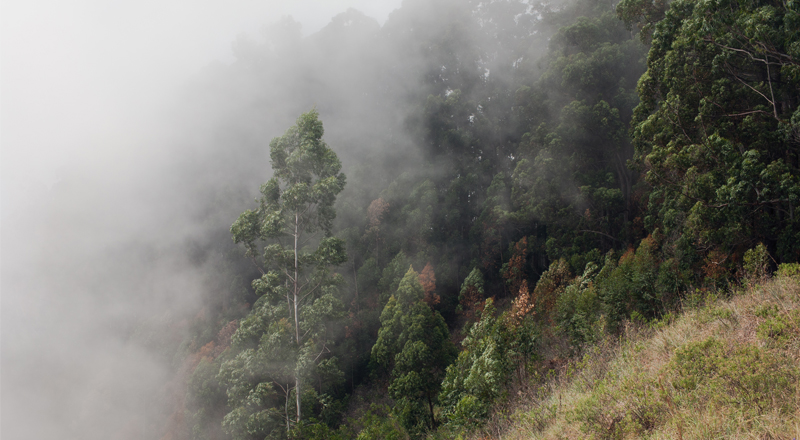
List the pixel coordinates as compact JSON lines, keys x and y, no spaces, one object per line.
{"x":325,"y":349}
{"x":600,"y":233}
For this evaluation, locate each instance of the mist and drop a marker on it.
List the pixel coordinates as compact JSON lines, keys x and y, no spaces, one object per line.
{"x":489,"y":161}
{"x":134,"y":134}
{"x":126,"y":155}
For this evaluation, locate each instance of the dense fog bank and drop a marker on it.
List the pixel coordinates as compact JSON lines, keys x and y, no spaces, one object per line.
{"x":115,"y":218}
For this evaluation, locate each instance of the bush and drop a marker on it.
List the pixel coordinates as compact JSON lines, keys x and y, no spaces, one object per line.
{"x":789,"y":270}
{"x":780,"y":327}
{"x":756,"y":262}
{"x":621,"y":407}
{"x":746,"y":378}
{"x":631,"y":285}
{"x":578,"y":309}
{"x":378,"y":423}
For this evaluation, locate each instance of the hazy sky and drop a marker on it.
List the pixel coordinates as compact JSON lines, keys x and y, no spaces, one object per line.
{"x":86,"y":77}
{"x":86,"y":87}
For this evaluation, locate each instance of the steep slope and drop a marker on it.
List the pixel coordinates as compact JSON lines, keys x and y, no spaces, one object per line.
{"x":723,"y":368}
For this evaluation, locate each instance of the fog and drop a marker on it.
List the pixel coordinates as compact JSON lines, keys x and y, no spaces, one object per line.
{"x":133,"y":133}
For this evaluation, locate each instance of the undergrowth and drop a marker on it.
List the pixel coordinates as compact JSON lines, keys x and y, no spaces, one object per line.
{"x":723,"y":368}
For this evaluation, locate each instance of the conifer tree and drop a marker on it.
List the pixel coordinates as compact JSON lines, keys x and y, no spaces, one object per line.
{"x":414,"y":344}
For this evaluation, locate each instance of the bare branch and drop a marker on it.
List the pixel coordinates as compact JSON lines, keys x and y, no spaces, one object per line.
{"x":310,"y":291}
{"x":771,"y":93}
{"x":600,"y":233}
{"x":763,"y":60}
{"x":746,"y":113}
{"x":753,"y":89}
{"x":324,"y":350}
{"x":255,"y":263}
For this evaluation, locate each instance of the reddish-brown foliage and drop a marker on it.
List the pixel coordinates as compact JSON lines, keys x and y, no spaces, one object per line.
{"x":225,"y":334}
{"x":522,"y":305}
{"x":628,"y":255}
{"x":514,"y":272}
{"x":375,"y":212}
{"x":714,"y":268}
{"x":428,"y":280}
{"x":472,"y":302}
{"x":551,"y":284}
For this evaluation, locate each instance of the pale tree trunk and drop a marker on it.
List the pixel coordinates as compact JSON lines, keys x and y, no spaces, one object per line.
{"x":297,"y":388}
{"x":286,"y":410}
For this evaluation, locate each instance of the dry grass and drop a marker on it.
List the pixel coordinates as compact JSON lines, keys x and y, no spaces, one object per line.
{"x":724,"y":369}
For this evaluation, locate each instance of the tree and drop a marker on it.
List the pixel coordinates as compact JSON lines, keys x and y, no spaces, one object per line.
{"x":718,"y":130}
{"x":471,"y":296}
{"x":295,"y":213}
{"x":414,"y":344}
{"x":476,"y":378}
{"x":427,"y":278}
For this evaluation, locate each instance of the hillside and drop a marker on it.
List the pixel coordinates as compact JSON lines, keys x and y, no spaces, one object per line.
{"x":551,"y":183}
{"x":724,"y":367}
{"x":458,"y":219}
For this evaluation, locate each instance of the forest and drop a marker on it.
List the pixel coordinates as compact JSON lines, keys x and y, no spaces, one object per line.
{"x":471,"y":197}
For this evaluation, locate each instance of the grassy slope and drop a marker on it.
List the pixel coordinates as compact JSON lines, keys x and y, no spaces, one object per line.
{"x":722,"y":369}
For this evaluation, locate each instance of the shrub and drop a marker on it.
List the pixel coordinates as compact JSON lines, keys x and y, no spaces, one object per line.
{"x":578,"y":308}
{"x":631,"y":285}
{"x":747,"y":378}
{"x":789,"y":270}
{"x":780,"y":327}
{"x":756,"y":262}
{"x":379,"y":424}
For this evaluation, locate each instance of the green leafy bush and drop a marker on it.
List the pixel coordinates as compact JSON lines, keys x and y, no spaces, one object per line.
{"x":620,"y":407}
{"x":780,"y":327}
{"x":631,"y":285}
{"x":756,"y":262}
{"x":742,"y":378}
{"x":789,"y":270}
{"x":578,"y":308}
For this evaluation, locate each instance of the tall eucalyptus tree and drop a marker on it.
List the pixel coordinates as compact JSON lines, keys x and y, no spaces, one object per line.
{"x":288,"y":237}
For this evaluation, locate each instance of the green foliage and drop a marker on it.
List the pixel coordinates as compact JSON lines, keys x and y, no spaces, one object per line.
{"x":714,"y":131}
{"x":756,"y":262}
{"x":476,"y":378}
{"x":551,"y":285}
{"x":379,"y":423}
{"x":600,"y":416}
{"x":491,"y":230}
{"x":205,"y":396}
{"x":572,"y":173}
{"x":522,"y":173}
{"x":578,"y":309}
{"x":746,"y":376}
{"x":631,"y":285}
{"x":414,"y":345}
{"x":790,"y":270}
{"x":781,"y":327}
{"x":282,"y":342}
{"x":643,"y":14}
{"x":392,"y":274}
{"x":471,"y":293}
{"x":493,"y":347}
